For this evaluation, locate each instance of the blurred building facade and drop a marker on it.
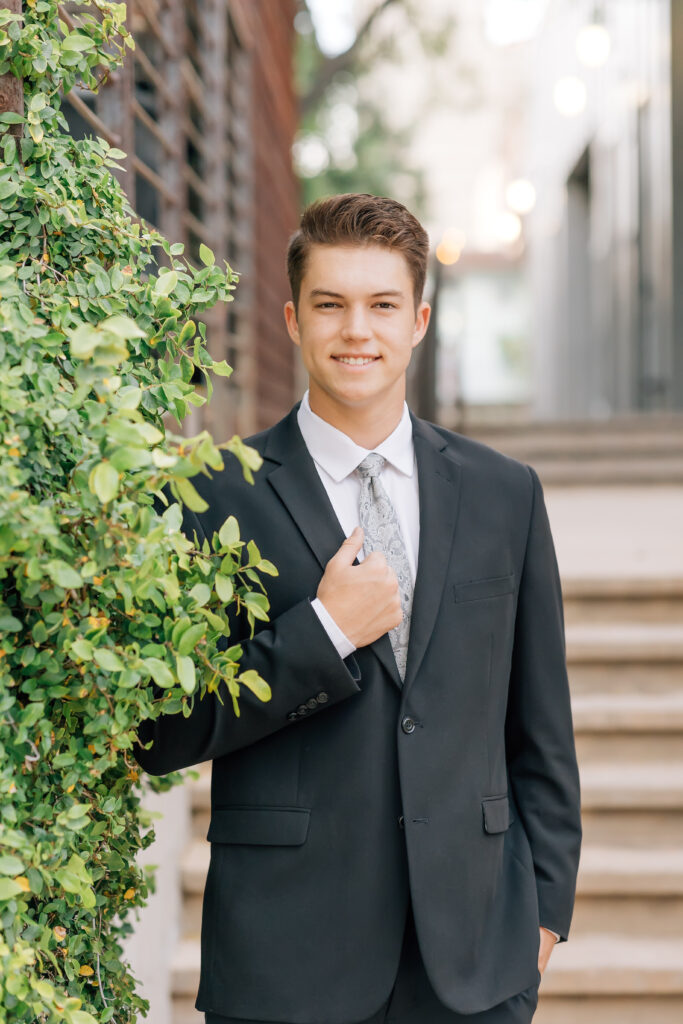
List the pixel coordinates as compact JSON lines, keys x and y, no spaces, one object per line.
{"x":206,"y":111}
{"x":606,"y":234}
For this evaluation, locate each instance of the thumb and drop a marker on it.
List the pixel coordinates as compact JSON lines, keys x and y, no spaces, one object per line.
{"x":351,"y":546}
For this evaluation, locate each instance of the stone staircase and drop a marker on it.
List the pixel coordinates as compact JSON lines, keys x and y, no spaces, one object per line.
{"x":636,"y":449}
{"x":624,"y":961}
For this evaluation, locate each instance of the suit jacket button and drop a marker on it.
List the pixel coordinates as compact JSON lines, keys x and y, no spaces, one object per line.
{"x":408,"y":725}
{"x":322,"y":697}
{"x":302,"y":709}
{"x":292,"y":715}
{"x":312,"y":703}
{"x":401,"y":823}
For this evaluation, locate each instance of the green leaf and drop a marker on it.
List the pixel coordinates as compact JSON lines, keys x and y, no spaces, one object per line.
{"x":186,"y":674}
{"x":10,"y":117}
{"x":63,"y":574}
{"x":229,"y":532}
{"x":82,"y":648}
{"x":201,"y":594}
{"x":166,"y":283}
{"x":78,"y":42}
{"x":206,"y":255}
{"x":187,"y":333}
{"x":160,"y":672}
{"x":267,"y":567}
{"x":9,"y":888}
{"x":190,"y":638}
{"x":104,"y":481}
{"x":190,"y":495}
{"x":221,"y":369}
{"x":258,"y":686}
{"x":10,"y":865}
{"x":108,"y":659}
{"x":122,"y":327}
{"x":258,"y":605}
{"x":10,"y":624}
{"x":224,"y":587}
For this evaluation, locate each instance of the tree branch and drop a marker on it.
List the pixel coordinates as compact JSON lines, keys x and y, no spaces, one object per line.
{"x":331,"y":66}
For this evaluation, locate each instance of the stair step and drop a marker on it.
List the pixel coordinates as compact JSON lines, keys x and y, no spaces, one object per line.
{"x":604,"y":870}
{"x":628,"y":712}
{"x":618,"y":642}
{"x":613,"y":870}
{"x":185,"y":967}
{"x":579,"y":1009}
{"x":601,"y":964}
{"x":655,"y":785}
{"x":647,"y":786}
{"x":615,"y":965}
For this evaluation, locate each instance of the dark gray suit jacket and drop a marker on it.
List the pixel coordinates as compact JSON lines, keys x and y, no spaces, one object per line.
{"x":346,"y":794}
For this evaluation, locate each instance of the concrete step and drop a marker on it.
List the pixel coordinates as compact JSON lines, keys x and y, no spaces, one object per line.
{"x":183,"y":1011}
{"x":656,"y":785}
{"x":616,"y":871}
{"x":609,"y":599}
{"x":612,"y":964}
{"x":579,"y":1009}
{"x":633,"y":802}
{"x":624,"y":642}
{"x":606,"y":870}
{"x":606,"y":471}
{"x":606,"y":965}
{"x":647,"y":713}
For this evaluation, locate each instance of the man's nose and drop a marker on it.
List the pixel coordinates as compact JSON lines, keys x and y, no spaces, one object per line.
{"x":356,"y":324}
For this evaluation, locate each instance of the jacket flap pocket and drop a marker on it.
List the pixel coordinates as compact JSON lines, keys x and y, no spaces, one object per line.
{"x":497,"y":817}
{"x":492,"y":586}
{"x":262,"y":826}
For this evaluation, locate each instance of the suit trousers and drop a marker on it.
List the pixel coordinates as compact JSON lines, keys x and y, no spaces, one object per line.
{"x":413,"y":1001}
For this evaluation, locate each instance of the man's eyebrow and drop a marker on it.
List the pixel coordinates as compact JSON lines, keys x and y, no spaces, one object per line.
{"x":325,"y":291}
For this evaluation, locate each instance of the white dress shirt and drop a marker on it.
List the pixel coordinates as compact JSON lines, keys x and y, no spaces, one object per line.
{"x":336,"y":457}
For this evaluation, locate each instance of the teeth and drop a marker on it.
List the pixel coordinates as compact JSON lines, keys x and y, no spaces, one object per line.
{"x":352,"y":361}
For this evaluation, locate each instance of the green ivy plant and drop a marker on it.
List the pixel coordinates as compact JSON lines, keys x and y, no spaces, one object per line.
{"x":106,"y":601}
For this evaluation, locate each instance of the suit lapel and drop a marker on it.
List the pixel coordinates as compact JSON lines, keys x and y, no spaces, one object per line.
{"x":439,"y":490}
{"x":297,"y":484}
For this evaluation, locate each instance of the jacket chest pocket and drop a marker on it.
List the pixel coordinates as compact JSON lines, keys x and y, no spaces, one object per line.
{"x":491,"y":586}
{"x":259,"y":825}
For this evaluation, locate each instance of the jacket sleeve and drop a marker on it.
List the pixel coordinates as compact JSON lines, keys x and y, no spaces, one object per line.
{"x":540,"y":749}
{"x":293,"y":653}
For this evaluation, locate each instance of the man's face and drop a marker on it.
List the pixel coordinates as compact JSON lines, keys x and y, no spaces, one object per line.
{"x":357,"y":325}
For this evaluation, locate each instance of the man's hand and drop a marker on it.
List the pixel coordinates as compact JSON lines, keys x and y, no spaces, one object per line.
{"x":548,"y":940}
{"x":363,"y":600}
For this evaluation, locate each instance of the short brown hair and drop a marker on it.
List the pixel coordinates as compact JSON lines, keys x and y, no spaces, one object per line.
{"x":358,"y":218}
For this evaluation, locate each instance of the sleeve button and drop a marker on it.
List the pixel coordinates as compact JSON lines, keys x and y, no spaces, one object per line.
{"x":302,"y":709}
{"x":312,"y":703}
{"x":292,"y":715}
{"x":322,"y":697}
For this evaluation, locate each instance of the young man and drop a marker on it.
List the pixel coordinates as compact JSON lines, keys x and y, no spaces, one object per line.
{"x":395,"y":834}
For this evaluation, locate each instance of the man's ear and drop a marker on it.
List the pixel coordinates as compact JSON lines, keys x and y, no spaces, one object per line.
{"x":424,"y":311}
{"x":292,"y":323}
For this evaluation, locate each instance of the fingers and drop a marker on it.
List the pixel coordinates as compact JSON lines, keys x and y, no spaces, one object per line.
{"x":350,"y":548}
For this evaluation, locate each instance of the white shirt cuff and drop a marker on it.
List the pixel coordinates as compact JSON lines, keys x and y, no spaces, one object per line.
{"x":557,"y":937}
{"x":340,"y":640}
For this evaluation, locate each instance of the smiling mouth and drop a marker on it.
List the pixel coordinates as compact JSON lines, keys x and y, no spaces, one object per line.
{"x":356,"y":360}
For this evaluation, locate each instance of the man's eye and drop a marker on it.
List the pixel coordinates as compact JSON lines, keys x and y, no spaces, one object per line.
{"x":326,"y":305}
{"x":387,"y":305}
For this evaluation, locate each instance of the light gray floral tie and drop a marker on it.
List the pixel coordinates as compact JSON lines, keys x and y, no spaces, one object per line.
{"x":383,"y":533}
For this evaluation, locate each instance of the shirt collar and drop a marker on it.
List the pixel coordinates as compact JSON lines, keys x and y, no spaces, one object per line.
{"x":338,"y":455}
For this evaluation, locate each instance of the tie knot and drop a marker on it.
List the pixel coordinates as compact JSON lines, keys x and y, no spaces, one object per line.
{"x":371,"y":466}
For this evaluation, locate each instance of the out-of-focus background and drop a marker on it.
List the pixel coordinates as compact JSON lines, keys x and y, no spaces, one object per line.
{"x":541,"y":144}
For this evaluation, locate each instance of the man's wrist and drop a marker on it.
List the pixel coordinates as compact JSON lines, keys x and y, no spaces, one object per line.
{"x":340,"y":640}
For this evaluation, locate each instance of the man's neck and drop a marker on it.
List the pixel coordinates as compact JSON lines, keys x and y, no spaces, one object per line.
{"x":368,"y":425}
